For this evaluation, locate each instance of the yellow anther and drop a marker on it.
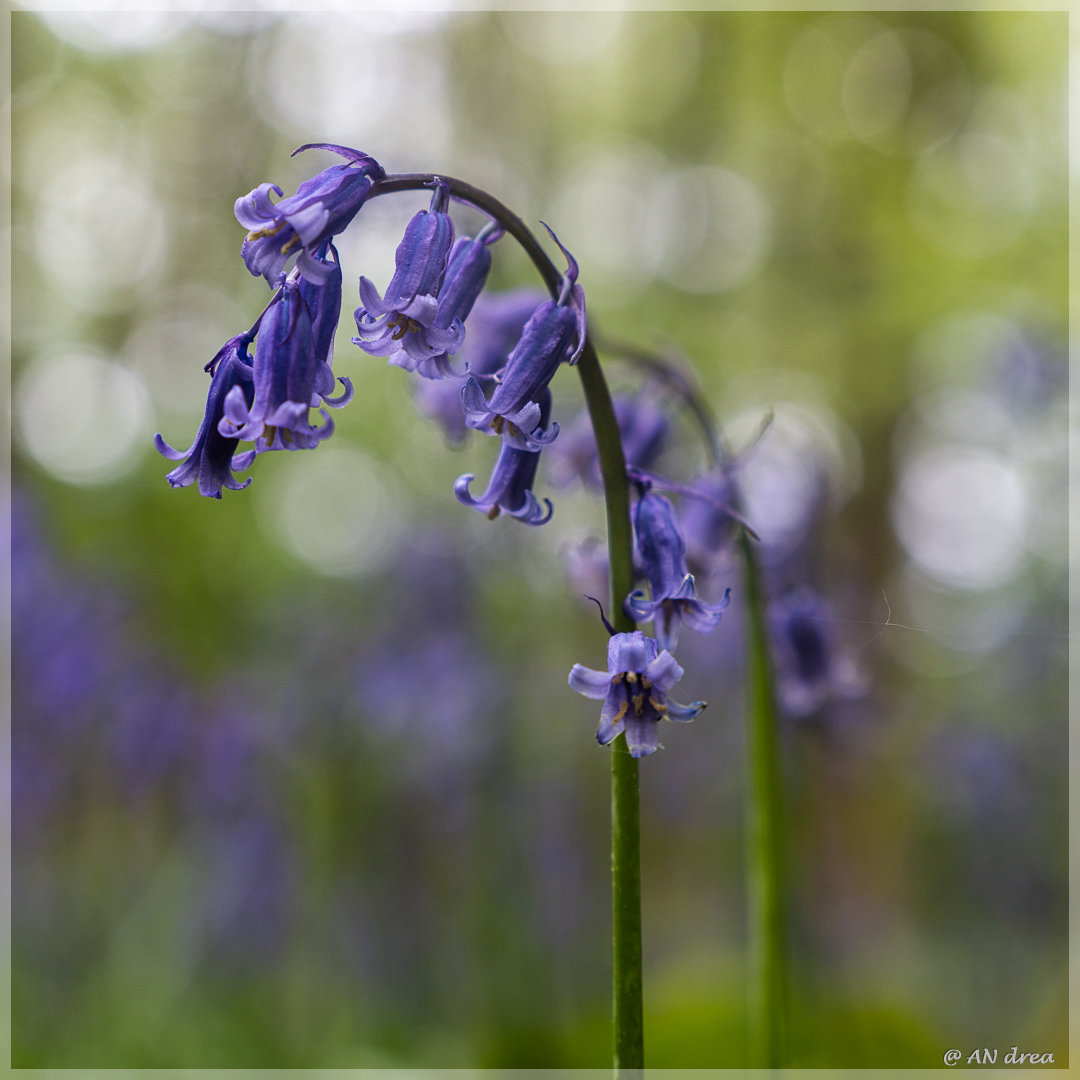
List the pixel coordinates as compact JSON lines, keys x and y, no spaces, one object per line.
{"x":620,"y":714}
{"x":403,"y":325}
{"x":294,"y":242}
{"x":267,"y":230}
{"x":639,"y":704}
{"x":630,"y":677}
{"x":659,"y":706}
{"x":646,"y":682}
{"x":493,"y":513}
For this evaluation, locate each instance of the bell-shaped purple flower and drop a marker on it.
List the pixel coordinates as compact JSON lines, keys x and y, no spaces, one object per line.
{"x":634,"y":692}
{"x":286,"y":369}
{"x":509,"y":490}
{"x":301,"y":224}
{"x":495,"y":324}
{"x":323,"y":303}
{"x":402,"y":325}
{"x":663,"y":561}
{"x":555,"y":333}
{"x":211,"y":460}
{"x":466,"y":274}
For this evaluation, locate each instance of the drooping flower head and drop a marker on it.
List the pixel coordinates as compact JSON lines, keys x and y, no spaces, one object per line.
{"x":322,"y":299}
{"x":509,"y":490}
{"x":302,"y":223}
{"x":403,"y":324}
{"x":286,"y":369}
{"x":554,"y":334}
{"x":663,"y":561}
{"x":634,"y":692}
{"x":210,"y":460}
{"x":495,"y":324}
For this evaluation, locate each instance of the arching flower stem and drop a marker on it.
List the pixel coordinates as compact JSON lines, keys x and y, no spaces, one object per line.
{"x":625,"y":826}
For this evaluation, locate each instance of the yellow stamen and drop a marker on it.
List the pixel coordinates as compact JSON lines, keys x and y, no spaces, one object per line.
{"x":294,"y":242}
{"x":267,"y":230}
{"x":660,"y":707}
{"x":403,"y":324}
{"x":639,"y":704}
{"x":620,"y":714}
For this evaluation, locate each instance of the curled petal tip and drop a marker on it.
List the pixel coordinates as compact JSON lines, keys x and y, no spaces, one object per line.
{"x":571,"y":263}
{"x":347,"y":152}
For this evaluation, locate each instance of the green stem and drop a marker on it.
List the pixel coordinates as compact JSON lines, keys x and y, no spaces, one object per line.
{"x":626,"y":984}
{"x":767,"y":945}
{"x":766,"y":898}
{"x":626,"y":975}
{"x":625,"y":819}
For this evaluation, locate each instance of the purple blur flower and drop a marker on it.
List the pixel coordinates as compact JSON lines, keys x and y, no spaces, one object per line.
{"x":663,"y":558}
{"x":634,"y":692}
{"x":708,"y":516}
{"x":495,"y":324}
{"x":321,"y":208}
{"x":289,"y":375}
{"x":210,"y":459}
{"x":810,"y":670}
{"x":509,"y":490}
{"x":643,"y":428}
{"x":555,"y":333}
{"x":405,"y":324}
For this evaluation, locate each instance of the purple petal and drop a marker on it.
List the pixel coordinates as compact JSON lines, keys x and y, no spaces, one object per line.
{"x":627,"y":652}
{"x":683,"y":713}
{"x":664,"y":671}
{"x":612,"y":717}
{"x":165,"y":450}
{"x":343,"y":398}
{"x":256,"y":208}
{"x":589,"y":682}
{"x":704,"y":617}
{"x":642,"y":736}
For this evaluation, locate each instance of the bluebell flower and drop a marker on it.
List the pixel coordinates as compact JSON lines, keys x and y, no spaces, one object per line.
{"x":289,"y":375}
{"x":708,"y":517}
{"x":211,"y":460}
{"x":509,"y":490}
{"x":663,"y":561}
{"x":301,"y":224}
{"x":403,"y":325}
{"x":643,"y":428}
{"x":466,"y":275}
{"x":634,"y":692}
{"x":495,"y":324}
{"x":323,"y":302}
{"x":554,"y":334}
{"x":811,"y":671}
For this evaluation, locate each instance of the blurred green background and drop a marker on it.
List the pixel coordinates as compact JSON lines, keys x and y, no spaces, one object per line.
{"x":297,"y":779}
